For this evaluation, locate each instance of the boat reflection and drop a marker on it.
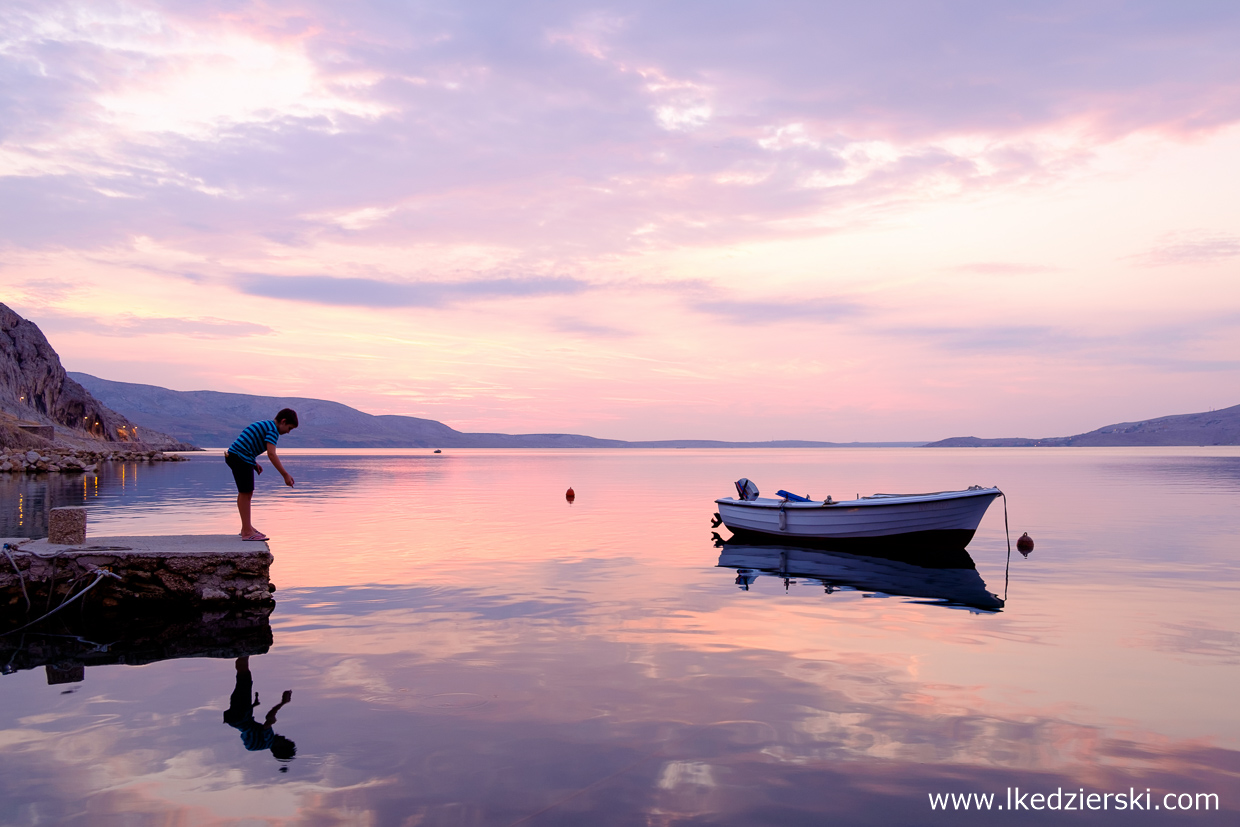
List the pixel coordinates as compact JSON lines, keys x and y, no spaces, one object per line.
{"x":65,"y":649}
{"x":937,"y":578}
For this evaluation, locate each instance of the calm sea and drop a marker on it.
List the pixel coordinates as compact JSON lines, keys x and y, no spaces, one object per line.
{"x":465,"y":647}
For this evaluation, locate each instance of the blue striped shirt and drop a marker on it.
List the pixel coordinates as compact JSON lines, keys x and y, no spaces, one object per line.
{"x":255,"y":736}
{"x":253,"y":440}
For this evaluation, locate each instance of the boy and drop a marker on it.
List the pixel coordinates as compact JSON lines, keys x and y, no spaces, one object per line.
{"x":242,"y":458}
{"x":240,"y":715}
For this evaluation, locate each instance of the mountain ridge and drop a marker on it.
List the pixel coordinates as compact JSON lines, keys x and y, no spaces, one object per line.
{"x":1219,"y":427}
{"x":214,"y":418}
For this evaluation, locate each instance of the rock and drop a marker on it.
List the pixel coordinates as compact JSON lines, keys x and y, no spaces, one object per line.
{"x":75,"y":460}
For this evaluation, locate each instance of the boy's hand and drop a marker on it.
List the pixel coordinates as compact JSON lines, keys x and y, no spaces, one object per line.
{"x":258,"y":469}
{"x":288,"y":480}
{"x":288,"y":696}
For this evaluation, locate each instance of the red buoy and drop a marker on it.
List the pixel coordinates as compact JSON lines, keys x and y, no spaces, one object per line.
{"x":1025,"y":544}
{"x":569,"y":495}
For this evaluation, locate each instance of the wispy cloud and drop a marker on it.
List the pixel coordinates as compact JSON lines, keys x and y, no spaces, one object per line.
{"x":1004,"y":268}
{"x":995,"y":338}
{"x":127,"y":325}
{"x":365,"y":292}
{"x":1191,"y":248}
{"x":581,"y":327}
{"x":759,"y":312}
{"x":1172,"y":347}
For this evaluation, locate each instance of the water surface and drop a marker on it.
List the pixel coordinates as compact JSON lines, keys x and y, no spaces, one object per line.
{"x":465,"y":647}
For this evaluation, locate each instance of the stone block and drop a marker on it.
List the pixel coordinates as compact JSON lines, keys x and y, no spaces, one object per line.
{"x":65,"y":673}
{"x":67,"y":526}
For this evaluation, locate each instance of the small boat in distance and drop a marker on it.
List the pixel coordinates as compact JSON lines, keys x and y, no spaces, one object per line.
{"x":941,"y":519}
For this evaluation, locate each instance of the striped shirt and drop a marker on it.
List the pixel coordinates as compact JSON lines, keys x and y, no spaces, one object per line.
{"x":253,"y":440}
{"x":255,"y":736}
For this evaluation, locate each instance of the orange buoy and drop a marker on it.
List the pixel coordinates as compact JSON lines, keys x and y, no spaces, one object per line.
{"x":1025,"y":544}
{"x":570,"y":495}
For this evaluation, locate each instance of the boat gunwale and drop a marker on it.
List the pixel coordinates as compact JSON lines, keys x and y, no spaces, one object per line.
{"x":873,"y":500}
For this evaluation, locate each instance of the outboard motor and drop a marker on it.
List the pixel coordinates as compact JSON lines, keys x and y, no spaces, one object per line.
{"x":746,"y":490}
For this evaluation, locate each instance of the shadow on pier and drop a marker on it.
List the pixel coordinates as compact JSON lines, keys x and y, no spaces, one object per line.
{"x":938,"y":577}
{"x":65,"y":647}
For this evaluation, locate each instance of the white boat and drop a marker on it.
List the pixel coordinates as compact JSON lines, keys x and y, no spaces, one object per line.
{"x":942,"y":519}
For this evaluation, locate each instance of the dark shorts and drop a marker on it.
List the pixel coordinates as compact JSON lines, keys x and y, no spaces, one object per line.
{"x":240,"y":706}
{"x":243,"y":473}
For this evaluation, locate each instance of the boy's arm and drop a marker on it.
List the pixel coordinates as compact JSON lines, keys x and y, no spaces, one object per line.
{"x":271,"y":713}
{"x":279,"y":466}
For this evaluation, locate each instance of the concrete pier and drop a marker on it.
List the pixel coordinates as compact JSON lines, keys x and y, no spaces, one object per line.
{"x":67,"y":526}
{"x":135,"y":575}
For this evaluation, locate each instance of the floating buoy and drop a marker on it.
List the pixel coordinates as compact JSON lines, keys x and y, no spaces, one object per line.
{"x":1025,"y":544}
{"x":570,"y":495}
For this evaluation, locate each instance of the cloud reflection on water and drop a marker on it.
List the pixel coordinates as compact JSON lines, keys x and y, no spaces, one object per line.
{"x":591,"y":726}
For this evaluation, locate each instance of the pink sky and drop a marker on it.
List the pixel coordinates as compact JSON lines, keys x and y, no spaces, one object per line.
{"x":843,"y":221}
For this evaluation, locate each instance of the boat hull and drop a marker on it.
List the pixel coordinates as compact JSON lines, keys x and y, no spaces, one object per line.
{"x":942,"y":520}
{"x":946,"y":579}
{"x":927,"y":540}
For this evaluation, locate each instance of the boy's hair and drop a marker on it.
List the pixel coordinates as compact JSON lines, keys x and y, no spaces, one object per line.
{"x":283,"y":748}
{"x":287,"y":415}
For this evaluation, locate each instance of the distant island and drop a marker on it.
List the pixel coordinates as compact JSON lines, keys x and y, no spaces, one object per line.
{"x":1221,"y":427}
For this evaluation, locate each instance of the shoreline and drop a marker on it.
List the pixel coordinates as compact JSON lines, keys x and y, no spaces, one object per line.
{"x":75,"y":460}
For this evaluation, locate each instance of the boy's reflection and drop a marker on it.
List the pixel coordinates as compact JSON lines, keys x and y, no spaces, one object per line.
{"x":240,"y":714}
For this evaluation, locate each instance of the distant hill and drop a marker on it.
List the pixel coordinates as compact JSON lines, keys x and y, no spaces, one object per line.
{"x":213,"y":419}
{"x":1220,"y":427}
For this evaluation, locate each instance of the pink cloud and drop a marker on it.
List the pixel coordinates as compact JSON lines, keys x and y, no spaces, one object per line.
{"x":1191,"y":248}
{"x":481,"y":124}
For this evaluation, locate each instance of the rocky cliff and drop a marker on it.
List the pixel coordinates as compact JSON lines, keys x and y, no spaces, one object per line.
{"x":35,"y":388}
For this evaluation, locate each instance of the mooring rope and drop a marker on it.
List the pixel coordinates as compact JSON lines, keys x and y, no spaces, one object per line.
{"x":21,"y":578}
{"x":1008,"y":534}
{"x":99,"y":575}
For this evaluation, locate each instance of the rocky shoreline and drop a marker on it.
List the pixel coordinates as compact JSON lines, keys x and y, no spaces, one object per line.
{"x":75,"y":460}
